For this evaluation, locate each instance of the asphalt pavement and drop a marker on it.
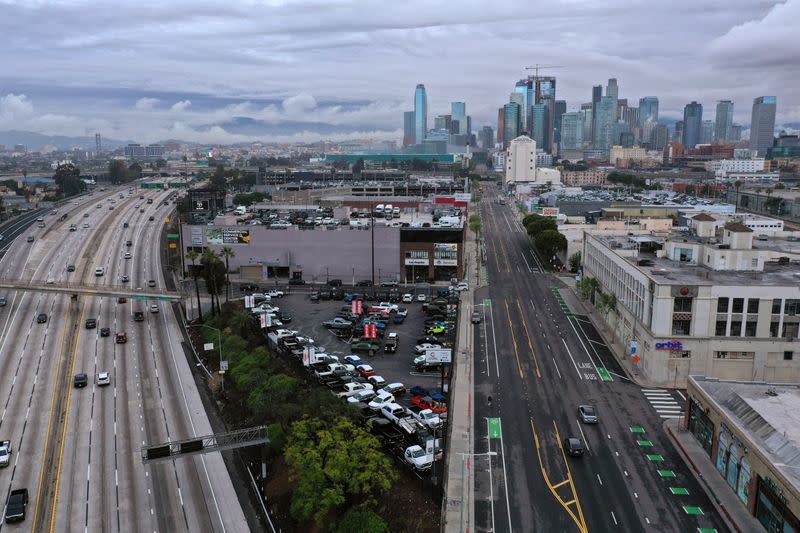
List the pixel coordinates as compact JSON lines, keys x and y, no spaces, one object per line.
{"x":538,"y":362}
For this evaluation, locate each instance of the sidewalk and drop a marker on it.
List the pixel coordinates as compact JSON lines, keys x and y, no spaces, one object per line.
{"x":458,"y":505}
{"x":732,"y":510}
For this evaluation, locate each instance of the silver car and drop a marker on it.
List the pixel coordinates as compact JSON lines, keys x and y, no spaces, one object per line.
{"x":588,"y":414}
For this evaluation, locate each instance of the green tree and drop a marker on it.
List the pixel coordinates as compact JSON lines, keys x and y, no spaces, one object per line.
{"x":214,"y":276}
{"x":530,"y":218}
{"x":134,"y":172}
{"x":361,"y":521}
{"x":587,"y":287}
{"x":192,"y":256}
{"x":550,"y":242}
{"x":117,"y":171}
{"x":332,"y":464}
{"x":475,"y":226}
{"x":539,"y":225}
{"x":227,"y":253}
{"x":68,"y":179}
{"x":277,"y":390}
{"x":574,"y":262}
{"x":606,"y":302}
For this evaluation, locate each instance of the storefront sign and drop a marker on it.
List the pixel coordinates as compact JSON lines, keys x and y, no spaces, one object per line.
{"x":417,"y":262}
{"x":439,"y":356}
{"x":445,"y":247}
{"x":197,"y":236}
{"x":445,"y":262}
{"x":227,"y":236}
{"x":735,"y":439}
{"x":550,"y":211}
{"x":669,"y":345}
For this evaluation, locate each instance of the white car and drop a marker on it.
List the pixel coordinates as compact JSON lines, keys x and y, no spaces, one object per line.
{"x":5,"y":453}
{"x":153,"y":308}
{"x":462,"y":287}
{"x":425,"y":346}
{"x":128,"y":255}
{"x":381,"y":399}
{"x":408,"y":298}
{"x":264,"y":309}
{"x":274,"y":293}
{"x":417,"y":458}
{"x":361,"y":396}
{"x":421,"y":298}
{"x":102,"y":379}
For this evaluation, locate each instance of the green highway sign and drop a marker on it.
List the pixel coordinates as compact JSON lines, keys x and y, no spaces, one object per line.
{"x":172,"y":235}
{"x":495,"y":432}
{"x":139,"y":297}
{"x":487,"y":302}
{"x":162,"y":298}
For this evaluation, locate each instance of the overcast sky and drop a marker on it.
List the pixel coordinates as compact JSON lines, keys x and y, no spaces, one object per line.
{"x":217,"y":72}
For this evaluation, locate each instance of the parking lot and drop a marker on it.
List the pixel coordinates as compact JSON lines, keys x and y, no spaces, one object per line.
{"x":308,"y":317}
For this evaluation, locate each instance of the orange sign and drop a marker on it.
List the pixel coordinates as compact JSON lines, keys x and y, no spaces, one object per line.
{"x":635,"y":358}
{"x":172,"y":246}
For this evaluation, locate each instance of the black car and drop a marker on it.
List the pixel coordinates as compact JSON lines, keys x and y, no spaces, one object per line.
{"x":390,"y":346}
{"x":41,"y":318}
{"x":105,"y":332}
{"x":91,"y":323}
{"x":285,"y":317}
{"x":129,"y":243}
{"x":249,"y":288}
{"x":335,"y":283}
{"x":325,"y":294}
{"x":337,"y":294}
{"x":364,"y":283}
{"x":294,"y":281}
{"x":152,"y":218}
{"x":80,"y":381}
{"x":573,"y":446}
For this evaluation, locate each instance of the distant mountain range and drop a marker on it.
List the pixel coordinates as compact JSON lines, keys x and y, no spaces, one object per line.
{"x":36,"y":141}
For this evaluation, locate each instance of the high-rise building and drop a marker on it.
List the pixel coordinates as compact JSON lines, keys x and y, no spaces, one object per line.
{"x":487,"y":138}
{"x":723,"y":120}
{"x":98,"y":145}
{"x":659,"y":138}
{"x":511,"y":114}
{"x":588,"y":123}
{"x":520,"y":160}
{"x":612,"y":91}
{"x":459,"y":112}
{"x":560,"y":109}
{"x":519,"y":99}
{"x":572,"y":131}
{"x":692,"y":124}
{"x":501,"y":115}
{"x":631,"y":116}
{"x":678,"y":135}
{"x":420,"y":114}
{"x":409,"y":137}
{"x":597,"y":94}
{"x":736,"y":133}
{"x":707,"y":132}
{"x":603,"y":122}
{"x":540,"y":114}
{"x":443,"y":122}
{"x":648,"y":109}
{"x":762,"y":124}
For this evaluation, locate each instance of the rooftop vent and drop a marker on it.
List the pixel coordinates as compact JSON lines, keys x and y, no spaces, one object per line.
{"x":771,"y":392}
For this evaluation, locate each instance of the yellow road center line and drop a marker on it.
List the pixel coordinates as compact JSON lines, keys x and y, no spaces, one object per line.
{"x":514,"y":340}
{"x":530,"y":346}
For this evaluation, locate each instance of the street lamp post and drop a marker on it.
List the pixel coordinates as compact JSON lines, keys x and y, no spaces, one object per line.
{"x":219,"y":343}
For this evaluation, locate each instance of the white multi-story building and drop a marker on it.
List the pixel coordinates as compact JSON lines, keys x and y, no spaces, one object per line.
{"x":709,"y":302}
{"x":723,"y":167}
{"x":761,"y":225}
{"x":520,"y":160}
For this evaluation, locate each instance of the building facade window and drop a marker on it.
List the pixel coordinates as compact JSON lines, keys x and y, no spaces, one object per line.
{"x":738,"y":305}
{"x":736,"y":328}
{"x":722,"y":453}
{"x":734,"y":355}
{"x":792,"y":308}
{"x":722,"y":305}
{"x":788,"y":355}
{"x":752,"y":306}
{"x":720,"y":329}
{"x":750,"y":328}
{"x":680,"y":354}
{"x":682,"y":305}
{"x":681,"y":327}
{"x":774,"y":329}
{"x":776,"y":306}
{"x":744,"y":481}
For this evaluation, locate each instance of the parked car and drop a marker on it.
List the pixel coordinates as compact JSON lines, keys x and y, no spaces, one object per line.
{"x":381,"y":399}
{"x":390,"y":345}
{"x":365,"y":370}
{"x":365,"y":395}
{"x":421,"y":298}
{"x":408,"y":298}
{"x":462,"y":287}
{"x":425,"y":346}
{"x":337,"y":323}
{"x":274,"y":293}
{"x":378,"y":381}
{"x":365,"y":346}
{"x":397,"y":389}
{"x":335,"y":283}
{"x":416,"y":457}
{"x":294,"y":281}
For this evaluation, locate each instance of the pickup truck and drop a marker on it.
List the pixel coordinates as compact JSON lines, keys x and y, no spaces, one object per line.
{"x":425,"y":416}
{"x":352,"y":388}
{"x":397,"y":414}
{"x":416,"y":457}
{"x":138,"y":316}
{"x":15,"y":507}
{"x":334,"y":369}
{"x":5,"y":453}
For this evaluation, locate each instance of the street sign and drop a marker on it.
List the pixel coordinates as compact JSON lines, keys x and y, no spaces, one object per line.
{"x":162,"y":298}
{"x":439,"y":356}
{"x":487,"y":302}
{"x":167,"y":220}
{"x":172,"y":235}
{"x":634,"y":347}
{"x":172,"y":246}
{"x":495,"y":431}
{"x":249,"y":302}
{"x":208,"y":346}
{"x":139,"y":297}
{"x":223,"y":365}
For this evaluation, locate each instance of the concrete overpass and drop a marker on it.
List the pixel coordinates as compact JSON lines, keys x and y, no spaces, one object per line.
{"x":114,"y":291}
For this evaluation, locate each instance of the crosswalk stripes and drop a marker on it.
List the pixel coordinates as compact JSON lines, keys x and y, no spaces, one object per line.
{"x":664,"y":403}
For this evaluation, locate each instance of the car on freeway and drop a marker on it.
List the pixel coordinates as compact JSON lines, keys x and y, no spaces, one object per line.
{"x":151,"y":283}
{"x":152,"y":218}
{"x":153,"y":308}
{"x":128,"y":255}
{"x":30,"y":238}
{"x":86,"y":215}
{"x":99,"y":271}
{"x":91,"y":323}
{"x":476,"y":317}
{"x":587,"y":414}
{"x":70,"y":268}
{"x":124,"y":224}
{"x":2,"y":301}
{"x":128,"y":243}
{"x":121,"y":337}
{"x":41,"y":318}
{"x":122,"y":300}
{"x":102,"y":379}
{"x":573,"y":446}
{"x":5,"y":453}
{"x":80,"y":380}
{"x":105,"y":332}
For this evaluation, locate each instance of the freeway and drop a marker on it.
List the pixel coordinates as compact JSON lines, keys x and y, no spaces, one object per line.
{"x":538,"y":361}
{"x":77,"y":449}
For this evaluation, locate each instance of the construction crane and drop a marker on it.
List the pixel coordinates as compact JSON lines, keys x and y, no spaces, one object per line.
{"x":537,"y":66}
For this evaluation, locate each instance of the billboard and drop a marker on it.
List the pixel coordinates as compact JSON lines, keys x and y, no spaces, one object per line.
{"x":445,"y":247}
{"x":439,"y":356}
{"x":550,"y":211}
{"x":227,"y":236}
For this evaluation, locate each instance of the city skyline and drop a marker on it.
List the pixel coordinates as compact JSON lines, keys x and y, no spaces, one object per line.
{"x":242,"y":74}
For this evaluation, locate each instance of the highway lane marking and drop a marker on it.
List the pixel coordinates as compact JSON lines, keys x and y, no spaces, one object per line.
{"x":586,"y":442}
{"x":557,"y":370}
{"x":514,"y":341}
{"x":494,"y":341}
{"x":573,"y":359}
{"x":569,"y":319}
{"x":528,"y":336}
{"x":615,"y":518}
{"x":505,"y":479}
{"x":491,"y":479}
{"x":578,"y":518}
{"x":599,"y":480}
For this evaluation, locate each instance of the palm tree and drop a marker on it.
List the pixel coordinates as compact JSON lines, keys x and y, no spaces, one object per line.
{"x":192,"y":255}
{"x":738,"y":184}
{"x":208,"y":259}
{"x":227,"y":252}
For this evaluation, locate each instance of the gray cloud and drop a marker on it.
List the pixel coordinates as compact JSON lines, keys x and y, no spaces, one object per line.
{"x":354,"y":63}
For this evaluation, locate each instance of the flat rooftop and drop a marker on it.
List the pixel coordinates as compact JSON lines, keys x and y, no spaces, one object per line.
{"x":768,"y":415}
{"x":666,"y":271}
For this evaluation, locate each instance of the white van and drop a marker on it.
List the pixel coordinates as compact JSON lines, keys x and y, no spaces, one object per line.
{"x":379,"y":209}
{"x":387,"y":211}
{"x":99,"y":271}
{"x":240,"y":210}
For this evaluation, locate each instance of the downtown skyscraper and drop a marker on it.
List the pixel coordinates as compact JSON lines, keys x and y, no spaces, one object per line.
{"x":692,"y":125}
{"x":420,"y":114}
{"x":762,"y":124}
{"x":723,"y":121}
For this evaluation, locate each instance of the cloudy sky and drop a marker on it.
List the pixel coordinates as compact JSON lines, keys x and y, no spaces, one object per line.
{"x":238,"y":70}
